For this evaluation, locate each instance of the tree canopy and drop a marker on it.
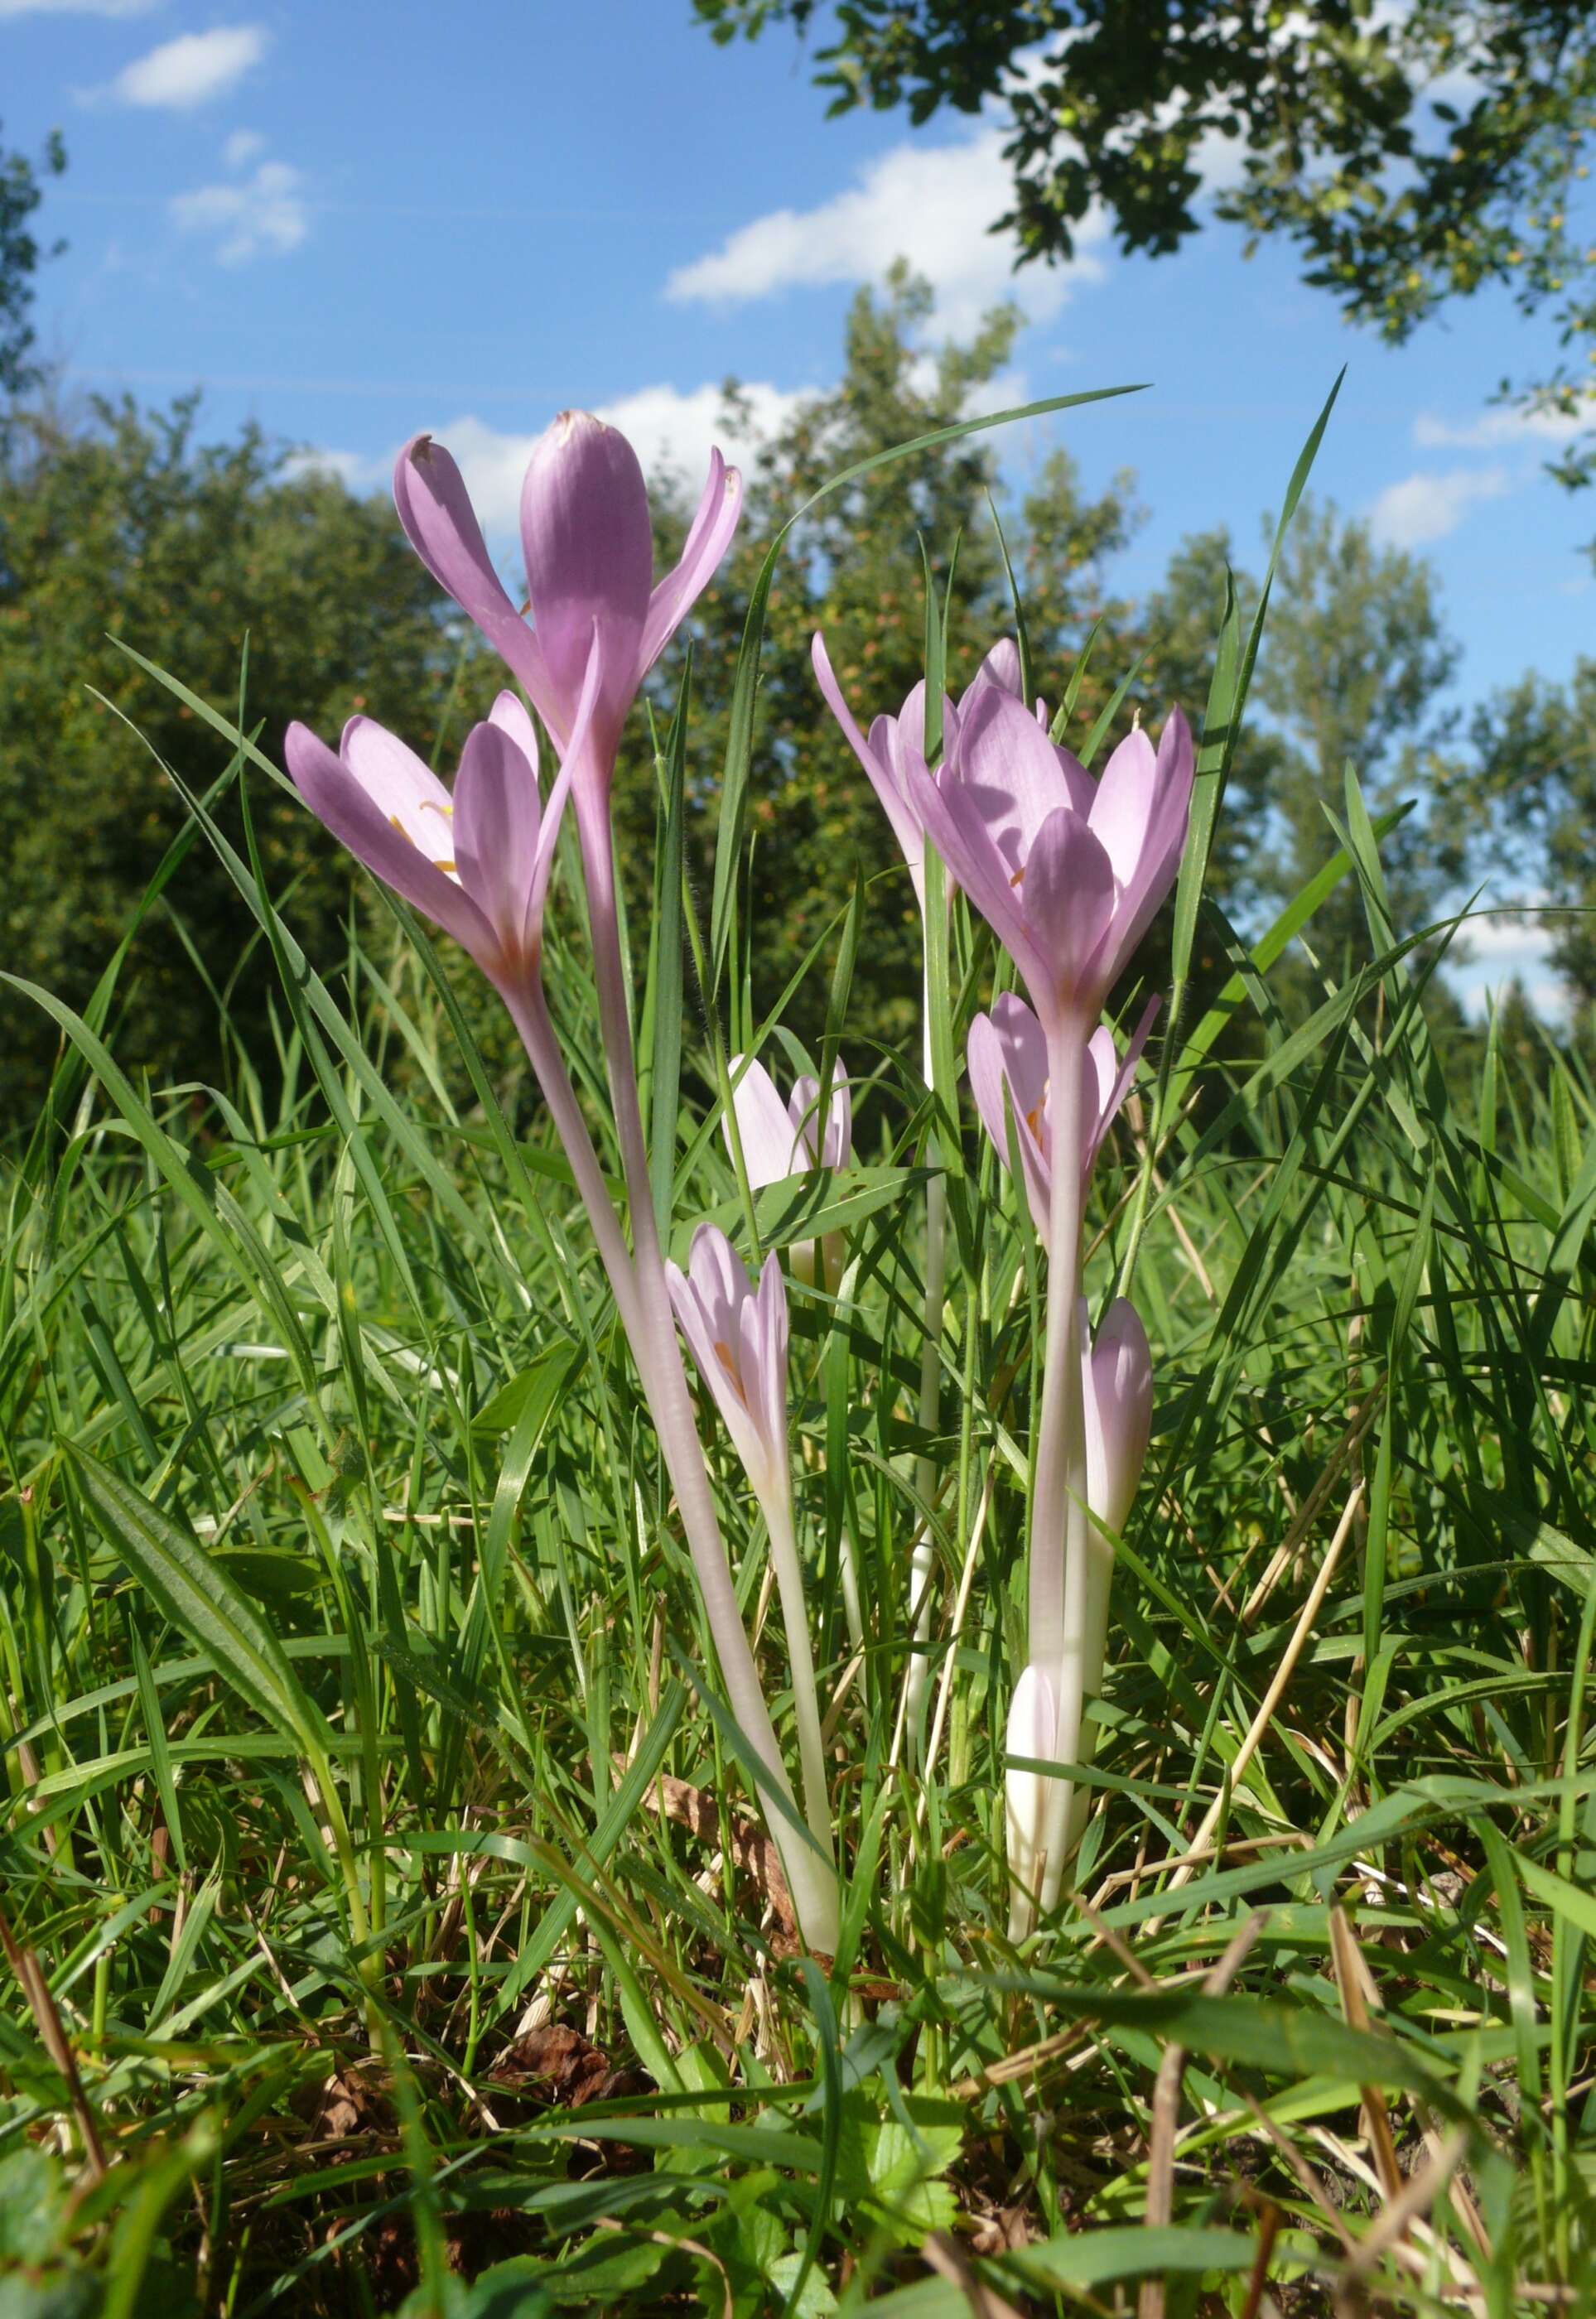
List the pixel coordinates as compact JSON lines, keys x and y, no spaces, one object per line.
{"x":19,"y":253}
{"x":1412,"y":155}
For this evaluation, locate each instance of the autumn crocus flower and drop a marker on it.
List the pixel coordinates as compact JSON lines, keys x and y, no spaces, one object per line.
{"x":1008,"y":1067}
{"x":738,"y":1336}
{"x":588,"y":547}
{"x":1067,"y":872}
{"x":477,"y":862}
{"x":780,"y":1140}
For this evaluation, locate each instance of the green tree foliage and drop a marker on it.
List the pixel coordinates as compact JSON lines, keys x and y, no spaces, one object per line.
{"x":1530,"y":800}
{"x":21,"y":193}
{"x":130,"y":528}
{"x":1413,"y":155}
{"x":1357,"y":661}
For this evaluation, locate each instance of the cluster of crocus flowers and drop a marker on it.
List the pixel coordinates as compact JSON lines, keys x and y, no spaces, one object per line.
{"x":477,"y":861}
{"x":1069,"y":871}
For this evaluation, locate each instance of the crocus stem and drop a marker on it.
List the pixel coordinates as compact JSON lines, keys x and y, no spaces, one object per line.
{"x":658,"y":1354}
{"x":789,"y":1581}
{"x":923,"y":1560}
{"x":1098,"y":1555}
{"x":1058,"y":1577}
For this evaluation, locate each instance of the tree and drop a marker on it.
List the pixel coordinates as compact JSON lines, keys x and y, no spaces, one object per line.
{"x":186,"y":551}
{"x":19,"y":195}
{"x":1412,"y":155}
{"x":1356,"y":657}
{"x":1530,"y":793}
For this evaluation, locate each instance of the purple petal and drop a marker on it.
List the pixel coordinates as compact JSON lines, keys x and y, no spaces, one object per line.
{"x":1013,"y":773}
{"x":768,"y":1308}
{"x":1123,"y":803}
{"x":337,"y":800}
{"x":837,"y":1148}
{"x":898,"y":807}
{"x":1069,"y":897}
{"x":496,"y":831}
{"x":404,"y":790}
{"x":508,"y":712}
{"x":707,"y":543}
{"x":994,"y":1085}
{"x":772,"y":1149}
{"x":440,"y":524}
{"x":588,"y":546}
{"x":1163,"y":844}
{"x":956,"y":827}
{"x":1117,"y":1394}
{"x":1001,"y":667}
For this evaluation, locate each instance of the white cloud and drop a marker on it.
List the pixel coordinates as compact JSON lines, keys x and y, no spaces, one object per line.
{"x":192,"y":69}
{"x":244,"y":146}
{"x":266,"y":211}
{"x":1425,"y":508}
{"x":932,"y":204}
{"x":1494,"y":428}
{"x":353,"y":469}
{"x":1508,"y":946}
{"x":77,"y":7}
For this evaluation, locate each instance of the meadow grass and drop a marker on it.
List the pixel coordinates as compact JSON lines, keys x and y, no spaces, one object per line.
{"x":383,"y":1906}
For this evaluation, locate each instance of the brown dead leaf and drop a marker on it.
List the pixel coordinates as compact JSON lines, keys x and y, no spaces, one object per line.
{"x":557,"y":2067}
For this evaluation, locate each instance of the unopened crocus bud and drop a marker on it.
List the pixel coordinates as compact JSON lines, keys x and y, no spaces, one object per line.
{"x":588,"y":542}
{"x":1117,"y":1408}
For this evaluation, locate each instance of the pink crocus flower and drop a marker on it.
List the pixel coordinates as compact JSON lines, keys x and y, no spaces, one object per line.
{"x":588,"y":548}
{"x":1009,"y":1064}
{"x":1117,"y":1403}
{"x":477,"y":862}
{"x":1067,"y":872}
{"x":738,"y":1336}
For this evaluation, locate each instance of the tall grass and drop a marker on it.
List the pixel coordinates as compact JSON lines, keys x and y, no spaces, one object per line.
{"x":382,"y":1902}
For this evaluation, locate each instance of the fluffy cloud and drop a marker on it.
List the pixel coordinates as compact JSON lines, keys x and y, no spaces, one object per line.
{"x":244,"y":146}
{"x":262,"y":213}
{"x":1425,"y":508}
{"x":930,"y":205}
{"x":192,"y":69}
{"x":1494,"y":428}
{"x":1507,"y":946}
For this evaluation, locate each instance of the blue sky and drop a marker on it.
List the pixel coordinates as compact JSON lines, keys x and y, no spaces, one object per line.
{"x":351,"y":222}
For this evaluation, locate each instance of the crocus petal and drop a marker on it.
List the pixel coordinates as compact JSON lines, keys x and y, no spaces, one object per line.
{"x":497,"y":815}
{"x":440,"y":524}
{"x":770,"y":1303}
{"x":404,"y":790}
{"x":1014,"y":774}
{"x":508,"y":712}
{"x":993,"y":1082}
{"x":836,"y":1144}
{"x":772,"y":1149}
{"x":956,"y":827}
{"x":1069,"y":897}
{"x":589,"y":546}
{"x":1001,"y":667}
{"x":898,"y":807}
{"x":1122,"y":803}
{"x":707,"y":543}
{"x":554,"y":812}
{"x":1109,"y":1079}
{"x":337,"y":798}
{"x":1163,"y":842}
{"x":1117,"y":1395}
